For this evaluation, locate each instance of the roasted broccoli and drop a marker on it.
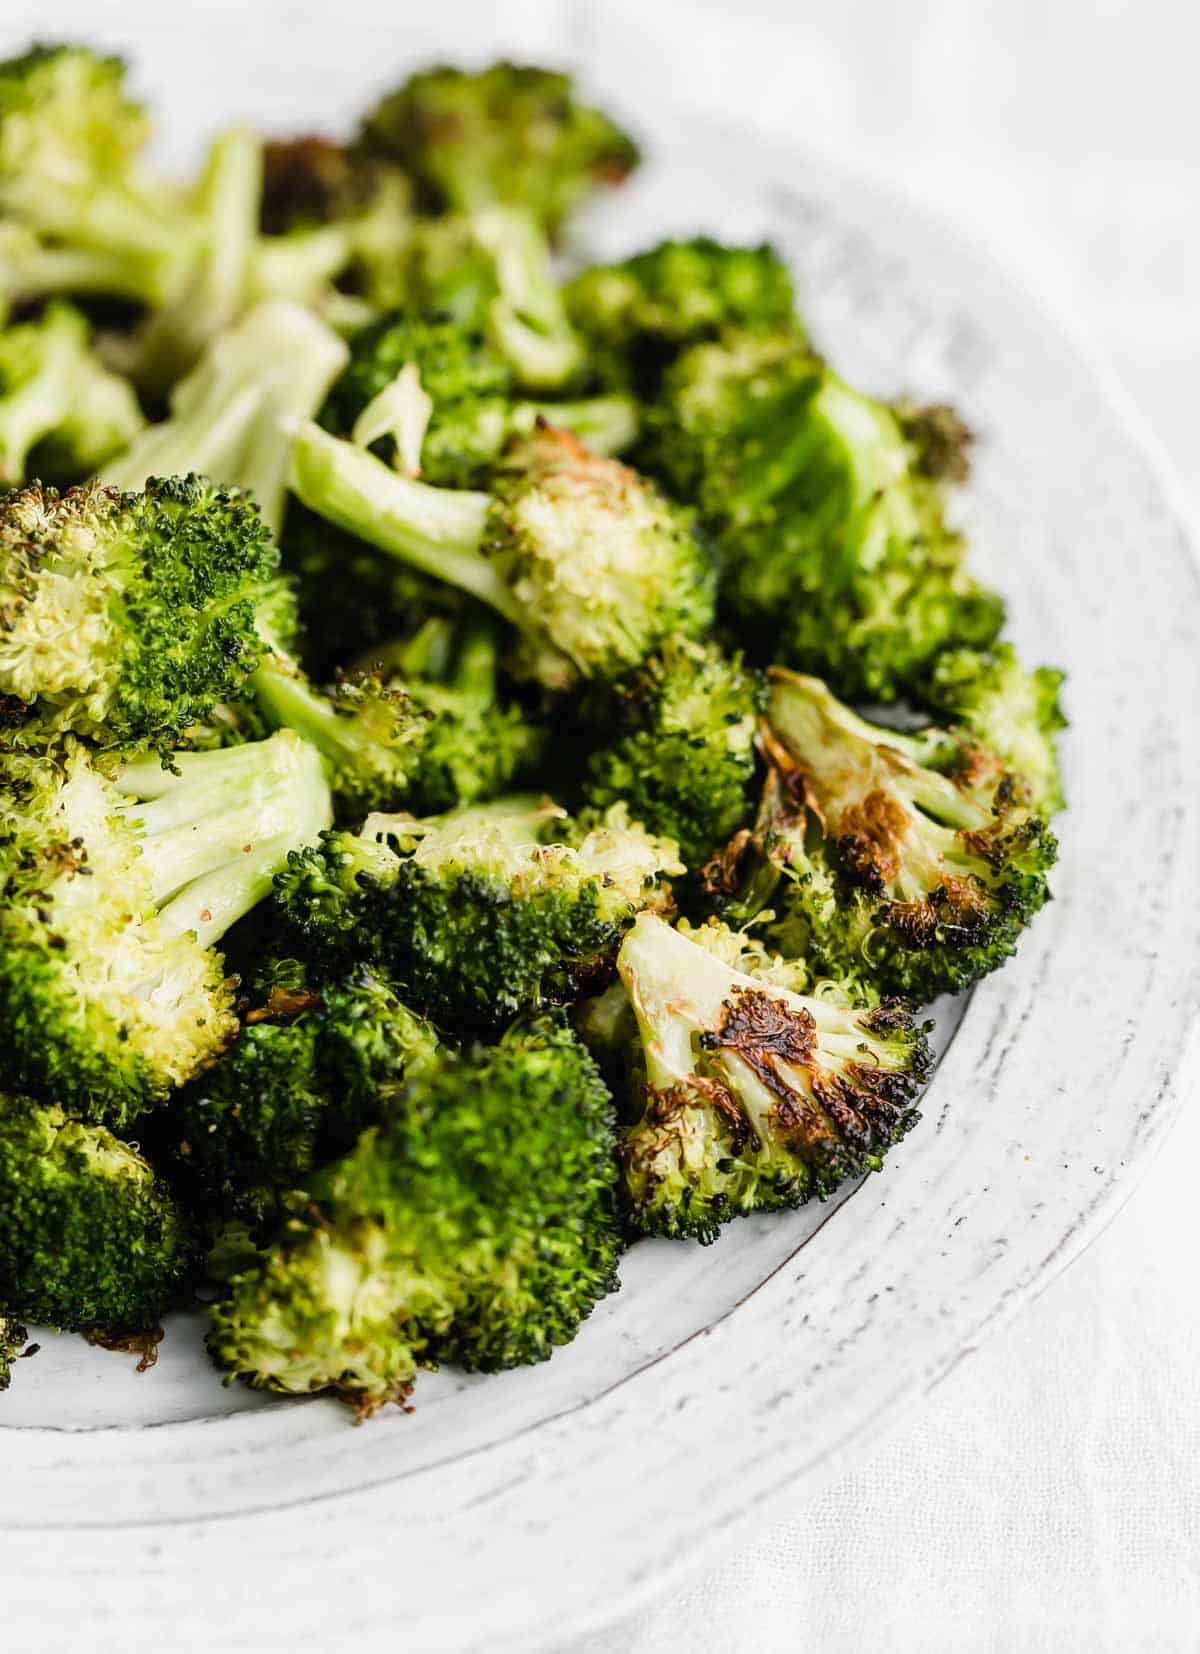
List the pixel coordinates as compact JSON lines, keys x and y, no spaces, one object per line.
{"x":509,"y":134}
{"x":481,"y":913}
{"x":477,"y":1224}
{"x":638,"y":315}
{"x":442,"y":402}
{"x":127,"y":616}
{"x":836,"y":554}
{"x":312,"y":1066}
{"x":114,"y":891}
{"x":13,"y":1341}
{"x":910,"y":862}
{"x":684,"y":756}
{"x":90,"y":1237}
{"x":586,"y":558}
{"x":760,"y":1089}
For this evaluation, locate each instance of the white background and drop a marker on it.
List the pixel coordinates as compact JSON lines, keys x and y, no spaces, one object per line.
{"x":1047,"y":1496}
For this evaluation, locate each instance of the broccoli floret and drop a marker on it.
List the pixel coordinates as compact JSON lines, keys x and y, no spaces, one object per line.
{"x":685,"y":757}
{"x":586,"y":558}
{"x":310,"y":181}
{"x":510,"y":134}
{"x":70,"y":145}
{"x":311,"y":1068}
{"x":484,"y":912}
{"x":837,"y":557}
{"x":444,"y":402}
{"x":910,"y":862}
{"x":114,"y":891}
{"x":90,"y":1238}
{"x":13,"y":1341}
{"x":639,"y":314}
{"x":1012,"y":714}
{"x":759,"y":1092}
{"x":228,"y":418}
{"x":41,"y":382}
{"x":477,"y":1224}
{"x":127,"y":616}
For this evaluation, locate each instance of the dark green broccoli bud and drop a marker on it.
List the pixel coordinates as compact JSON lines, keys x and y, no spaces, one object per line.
{"x":355,"y":603}
{"x":58,"y":399}
{"x":940,"y":438}
{"x":482,"y":913}
{"x":637,"y":315}
{"x":311,"y":1068}
{"x":90,"y":1238}
{"x":1010,"y":713}
{"x":760,"y":1091}
{"x":70,"y":145}
{"x":836,"y":554}
{"x":114,"y":891}
{"x":477,"y":1224}
{"x":127,"y":617}
{"x":908,"y":862}
{"x":685,"y":758}
{"x":443,"y":400}
{"x":511,"y":134}
{"x":228,"y":419}
{"x":13,"y":1339}
{"x":586,"y":558}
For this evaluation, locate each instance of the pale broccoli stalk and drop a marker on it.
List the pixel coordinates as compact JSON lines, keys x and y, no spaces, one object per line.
{"x":585,"y":558}
{"x":527,"y":318}
{"x":228,"y":418}
{"x":756,"y":1095}
{"x":115,"y":889}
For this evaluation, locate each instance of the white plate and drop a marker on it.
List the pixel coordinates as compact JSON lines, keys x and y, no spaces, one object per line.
{"x":522,"y":1509}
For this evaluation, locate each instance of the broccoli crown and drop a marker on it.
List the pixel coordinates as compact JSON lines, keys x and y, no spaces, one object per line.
{"x":509,"y":134}
{"x":127,"y":617}
{"x":909,"y":862}
{"x":755,"y":1096}
{"x":602,"y":566}
{"x":311,"y":1068}
{"x":309,"y":181}
{"x":684,"y":759}
{"x":112,"y":894}
{"x":640,"y":313}
{"x":477,"y":1223}
{"x":89,"y":1236}
{"x":1010,"y":713}
{"x":469,"y":383}
{"x":13,"y":1338}
{"x":836,"y":554}
{"x":475,"y":914}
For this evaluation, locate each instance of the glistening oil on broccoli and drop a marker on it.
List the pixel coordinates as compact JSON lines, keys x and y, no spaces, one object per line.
{"x":495,"y":747}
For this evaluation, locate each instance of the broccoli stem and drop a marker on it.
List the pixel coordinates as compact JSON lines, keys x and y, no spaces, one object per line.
{"x":605,"y":424}
{"x":474,"y":674}
{"x":527,"y":317}
{"x":437,"y":530}
{"x":41,"y":404}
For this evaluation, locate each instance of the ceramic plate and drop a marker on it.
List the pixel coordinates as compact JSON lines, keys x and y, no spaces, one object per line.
{"x":513,"y":1511}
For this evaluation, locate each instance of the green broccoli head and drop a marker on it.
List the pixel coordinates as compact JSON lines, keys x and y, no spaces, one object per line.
{"x":908,"y":862}
{"x":312,"y":1066}
{"x":1010,"y":713}
{"x":70,"y":143}
{"x":13,"y":1339}
{"x":639,"y":314}
{"x":684,"y":758}
{"x":90,"y":1238}
{"x":756,"y":1095}
{"x":477,"y":1224}
{"x":836,"y":553}
{"x":127,"y":617}
{"x":484,"y":912}
{"x":310,"y":181}
{"x":508,"y":134}
{"x":113,"y":893}
{"x":594,"y":566}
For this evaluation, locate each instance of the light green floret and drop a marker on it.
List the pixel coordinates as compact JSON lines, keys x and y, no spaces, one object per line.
{"x":90,"y":1237}
{"x":586,"y":558}
{"x":481,"y":913}
{"x":908,"y":862}
{"x":478,"y":1225}
{"x":114,"y":890}
{"x":757,"y":1091}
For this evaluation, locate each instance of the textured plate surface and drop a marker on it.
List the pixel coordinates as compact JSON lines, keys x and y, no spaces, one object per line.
{"x":518,"y":1510}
